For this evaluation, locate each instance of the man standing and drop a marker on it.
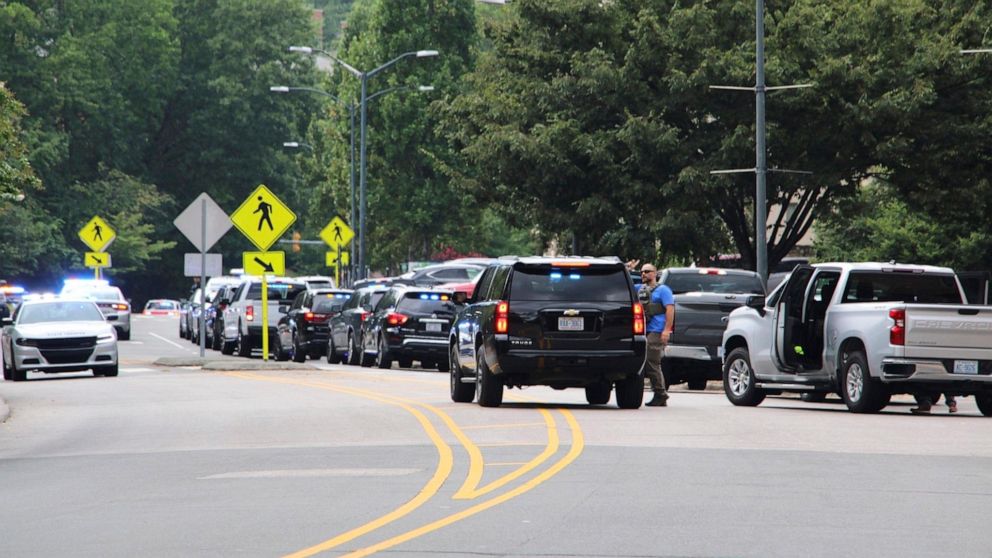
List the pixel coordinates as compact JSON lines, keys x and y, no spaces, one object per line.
{"x":659,"y":311}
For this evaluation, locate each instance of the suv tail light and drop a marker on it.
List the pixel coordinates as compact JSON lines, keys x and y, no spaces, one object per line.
{"x":365,"y":315}
{"x":250,"y":314}
{"x":897,"y":334}
{"x":395,"y":318}
{"x":314,"y":317}
{"x":502,"y":318}
{"x":638,"y":319}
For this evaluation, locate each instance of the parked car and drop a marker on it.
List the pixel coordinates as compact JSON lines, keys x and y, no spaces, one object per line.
{"x":215,"y":316}
{"x":318,"y":281}
{"x":61,"y":335}
{"x":409,"y":324}
{"x":704,"y":297}
{"x":304,"y":323}
{"x":344,"y":341}
{"x":440,"y":273}
{"x":161,"y":307}
{"x":111,"y":302}
{"x":559,"y":322}
{"x":206,"y":313}
{"x":243,"y":324}
{"x":863,"y":330}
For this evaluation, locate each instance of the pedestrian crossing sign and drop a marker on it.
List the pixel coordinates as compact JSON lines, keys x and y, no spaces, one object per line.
{"x":337,"y":233}
{"x":263,"y":218}
{"x":97,"y":234}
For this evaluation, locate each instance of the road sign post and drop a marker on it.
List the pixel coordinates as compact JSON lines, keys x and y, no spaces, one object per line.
{"x":263,"y":218}
{"x":204,"y":223}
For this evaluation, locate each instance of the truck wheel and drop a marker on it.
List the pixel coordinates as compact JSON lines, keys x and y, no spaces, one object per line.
{"x":739,"y":382}
{"x":813,"y":396}
{"x":630,"y":392}
{"x":382,"y":358}
{"x":861,"y":392}
{"x":984,"y":401}
{"x":460,"y":391}
{"x":598,"y":394}
{"x":242,"y":345}
{"x":488,"y":386}
{"x":405,"y":362}
{"x":697,"y":384}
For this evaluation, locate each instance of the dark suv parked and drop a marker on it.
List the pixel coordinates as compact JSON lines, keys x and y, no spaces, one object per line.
{"x":411,"y":324}
{"x":305,"y":325}
{"x":559,"y":322}
{"x":345,"y":341}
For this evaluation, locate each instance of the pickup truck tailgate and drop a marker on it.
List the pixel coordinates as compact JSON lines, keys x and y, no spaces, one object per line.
{"x":949,"y":327}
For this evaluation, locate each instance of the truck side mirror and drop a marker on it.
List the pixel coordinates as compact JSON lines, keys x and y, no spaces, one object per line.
{"x":756,"y":302}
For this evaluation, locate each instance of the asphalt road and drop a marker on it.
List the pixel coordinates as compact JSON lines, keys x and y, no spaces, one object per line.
{"x":336,"y":460}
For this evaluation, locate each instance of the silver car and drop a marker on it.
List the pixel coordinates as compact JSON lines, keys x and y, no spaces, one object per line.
{"x":111,"y":301}
{"x":59,"y":335}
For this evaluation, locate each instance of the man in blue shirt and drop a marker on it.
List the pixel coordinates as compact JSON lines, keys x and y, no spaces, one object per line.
{"x":659,"y":311}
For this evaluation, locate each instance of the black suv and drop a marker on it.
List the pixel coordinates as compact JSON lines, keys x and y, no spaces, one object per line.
{"x":559,"y":322}
{"x":304,"y":327}
{"x":411,"y":324}
{"x":345,"y":339}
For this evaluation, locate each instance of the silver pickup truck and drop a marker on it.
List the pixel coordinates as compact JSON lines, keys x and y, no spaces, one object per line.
{"x":863,"y":330}
{"x":243,"y":314}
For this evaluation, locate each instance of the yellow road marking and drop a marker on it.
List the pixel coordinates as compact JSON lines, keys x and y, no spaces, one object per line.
{"x":441,"y":473}
{"x":578,"y":443}
{"x":509,"y":425}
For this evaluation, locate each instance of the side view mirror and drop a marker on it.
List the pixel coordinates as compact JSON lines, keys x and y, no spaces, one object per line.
{"x":283,"y":309}
{"x":756,"y":302}
{"x":461,"y":297}
{"x":7,"y":321}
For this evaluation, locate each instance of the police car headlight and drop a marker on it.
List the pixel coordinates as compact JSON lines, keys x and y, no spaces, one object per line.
{"x":26,"y":342}
{"x":106,"y":338}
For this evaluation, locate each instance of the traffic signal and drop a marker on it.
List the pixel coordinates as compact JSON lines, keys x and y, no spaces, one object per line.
{"x":296,"y":241}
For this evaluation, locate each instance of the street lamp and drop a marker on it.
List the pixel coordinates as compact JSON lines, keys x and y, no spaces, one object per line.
{"x":364,"y":78}
{"x":351,"y":131}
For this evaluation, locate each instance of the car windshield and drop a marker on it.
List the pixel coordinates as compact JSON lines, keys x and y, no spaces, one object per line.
{"x":927,"y":288}
{"x":59,"y":311}
{"x":427,"y":303}
{"x":100,"y":294}
{"x":714,"y":283}
{"x":609,"y":284}
{"x":277,"y":291}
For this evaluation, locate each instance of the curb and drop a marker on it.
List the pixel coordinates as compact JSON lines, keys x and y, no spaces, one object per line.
{"x":232,"y":364}
{"x":4,"y":410}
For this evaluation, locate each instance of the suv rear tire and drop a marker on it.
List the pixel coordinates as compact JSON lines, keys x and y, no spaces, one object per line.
{"x":598,"y":394}
{"x":630,"y":392}
{"x":382,"y":358}
{"x":488,"y":386}
{"x":984,"y":401}
{"x":861,"y":392}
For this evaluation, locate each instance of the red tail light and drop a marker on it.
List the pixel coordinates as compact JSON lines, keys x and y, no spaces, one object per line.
{"x":638,"y":319}
{"x":314,"y":317}
{"x":897,"y":334}
{"x":502,"y":323}
{"x":250,"y":314}
{"x":365,"y":315}
{"x":395,"y":318}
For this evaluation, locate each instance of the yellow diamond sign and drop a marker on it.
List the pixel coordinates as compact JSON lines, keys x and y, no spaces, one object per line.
{"x":337,"y":233}
{"x":263,"y":218}
{"x":97,"y":234}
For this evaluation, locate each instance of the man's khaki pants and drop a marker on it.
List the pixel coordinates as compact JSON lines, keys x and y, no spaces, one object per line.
{"x":652,"y":362}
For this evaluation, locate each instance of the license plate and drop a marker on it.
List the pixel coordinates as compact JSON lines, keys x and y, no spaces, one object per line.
{"x":432,"y":326}
{"x":966,"y":367}
{"x":571,"y":324}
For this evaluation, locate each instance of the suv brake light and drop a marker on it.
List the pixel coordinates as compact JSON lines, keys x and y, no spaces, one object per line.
{"x":502,"y":318}
{"x":638,"y":319}
{"x":897,"y":334}
{"x":314,"y":317}
{"x":365,"y":315}
{"x":395,"y":318}
{"x":250,"y":313}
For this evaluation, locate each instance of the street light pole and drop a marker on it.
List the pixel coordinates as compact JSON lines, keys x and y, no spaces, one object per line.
{"x":363,"y":179}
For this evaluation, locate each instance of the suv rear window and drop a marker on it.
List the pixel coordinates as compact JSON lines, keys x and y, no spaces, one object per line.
{"x":427,"y":303}
{"x":277,"y":291}
{"x":713,"y":283}
{"x":901,"y":287}
{"x":595,"y":284}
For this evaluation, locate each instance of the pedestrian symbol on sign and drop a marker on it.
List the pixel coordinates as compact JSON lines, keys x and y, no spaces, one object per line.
{"x":97,"y":231}
{"x":265,"y":208}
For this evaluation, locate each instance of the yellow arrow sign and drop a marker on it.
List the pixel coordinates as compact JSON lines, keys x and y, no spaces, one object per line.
{"x":97,"y":234}
{"x":331,"y":258}
{"x":337,"y":233}
{"x":263,"y":218}
{"x":264,"y":263}
{"x":96,"y":259}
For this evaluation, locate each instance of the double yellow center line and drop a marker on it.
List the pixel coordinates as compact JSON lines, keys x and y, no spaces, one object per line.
{"x":469,"y":489}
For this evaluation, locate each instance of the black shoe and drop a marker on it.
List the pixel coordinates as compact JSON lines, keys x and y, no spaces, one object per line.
{"x":658,"y":401}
